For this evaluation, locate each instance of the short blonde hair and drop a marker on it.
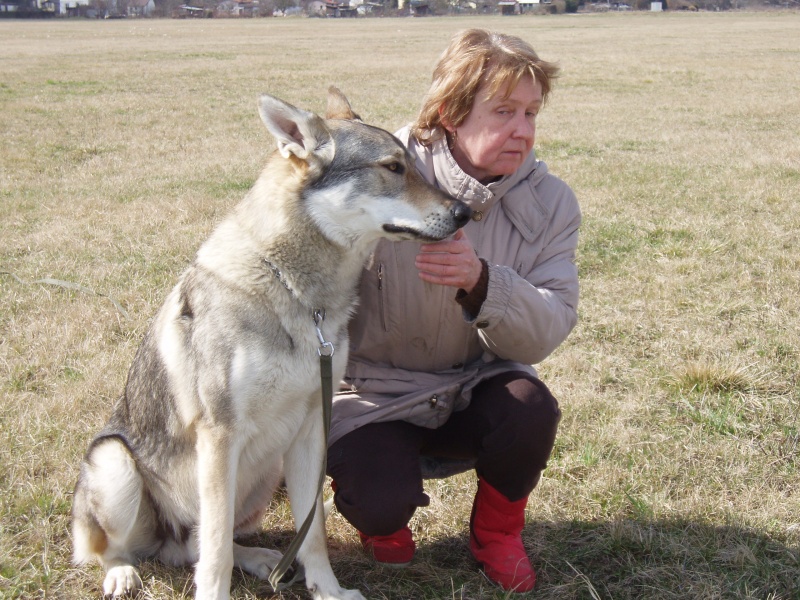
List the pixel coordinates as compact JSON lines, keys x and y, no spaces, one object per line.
{"x":474,"y":60}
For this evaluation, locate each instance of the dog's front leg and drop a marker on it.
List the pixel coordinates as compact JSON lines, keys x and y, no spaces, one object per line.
{"x":302,"y":465}
{"x":217,"y":460}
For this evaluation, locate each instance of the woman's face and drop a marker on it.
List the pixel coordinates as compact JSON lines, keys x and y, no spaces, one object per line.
{"x":499,"y":132}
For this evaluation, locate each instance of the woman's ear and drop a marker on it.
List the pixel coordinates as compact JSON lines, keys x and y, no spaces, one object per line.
{"x":445,"y":121}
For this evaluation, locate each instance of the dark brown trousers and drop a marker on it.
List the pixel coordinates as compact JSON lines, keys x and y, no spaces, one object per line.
{"x":509,"y":430}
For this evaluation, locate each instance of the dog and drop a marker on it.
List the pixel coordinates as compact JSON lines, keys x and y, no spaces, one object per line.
{"x":222,"y":399}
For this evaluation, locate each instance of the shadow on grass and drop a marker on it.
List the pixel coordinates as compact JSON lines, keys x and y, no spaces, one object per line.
{"x":621,"y":559}
{"x":662,"y":559}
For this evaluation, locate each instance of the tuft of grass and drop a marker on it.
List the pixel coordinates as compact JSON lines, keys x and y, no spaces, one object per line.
{"x":715,"y":379}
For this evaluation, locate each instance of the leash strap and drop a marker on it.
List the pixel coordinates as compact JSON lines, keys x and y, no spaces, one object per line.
{"x":326,"y":379}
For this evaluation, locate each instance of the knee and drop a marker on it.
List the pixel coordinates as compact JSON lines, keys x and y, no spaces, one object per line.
{"x":542,"y":405}
{"x":529,"y":404}
{"x":377,"y":512}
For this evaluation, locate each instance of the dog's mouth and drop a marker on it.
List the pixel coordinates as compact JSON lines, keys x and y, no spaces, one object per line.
{"x":414,"y":233}
{"x":389,"y":228}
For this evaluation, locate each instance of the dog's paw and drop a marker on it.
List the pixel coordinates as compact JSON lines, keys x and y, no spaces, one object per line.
{"x":340,"y":594}
{"x":256,"y":561}
{"x":121,"y":580}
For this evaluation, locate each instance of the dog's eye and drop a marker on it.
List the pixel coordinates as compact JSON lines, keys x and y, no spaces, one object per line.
{"x":394,"y":167}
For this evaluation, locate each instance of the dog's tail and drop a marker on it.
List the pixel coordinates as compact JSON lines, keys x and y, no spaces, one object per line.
{"x":106,"y":504}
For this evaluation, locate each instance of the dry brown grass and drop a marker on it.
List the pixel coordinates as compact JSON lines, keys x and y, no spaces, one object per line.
{"x":676,"y":472}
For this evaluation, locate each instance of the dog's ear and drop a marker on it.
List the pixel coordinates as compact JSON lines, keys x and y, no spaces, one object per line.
{"x":298,"y":132}
{"x":339,"y":106}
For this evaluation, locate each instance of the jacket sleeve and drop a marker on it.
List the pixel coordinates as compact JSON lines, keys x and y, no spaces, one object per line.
{"x":527,"y":315}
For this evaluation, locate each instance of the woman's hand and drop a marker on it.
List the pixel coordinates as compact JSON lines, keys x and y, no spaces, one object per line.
{"x":451,"y":262}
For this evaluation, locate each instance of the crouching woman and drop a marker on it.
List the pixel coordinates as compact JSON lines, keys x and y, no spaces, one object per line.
{"x":440,"y":376}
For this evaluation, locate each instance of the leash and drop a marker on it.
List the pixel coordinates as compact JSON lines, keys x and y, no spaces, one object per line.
{"x":325,"y":352}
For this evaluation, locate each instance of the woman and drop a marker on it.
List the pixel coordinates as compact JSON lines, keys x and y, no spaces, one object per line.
{"x":440,"y":377}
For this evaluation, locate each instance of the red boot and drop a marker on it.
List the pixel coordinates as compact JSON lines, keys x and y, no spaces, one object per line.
{"x":395,"y":550}
{"x":496,"y":540}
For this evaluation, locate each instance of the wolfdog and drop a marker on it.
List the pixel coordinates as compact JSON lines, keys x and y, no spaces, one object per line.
{"x":223,"y":396}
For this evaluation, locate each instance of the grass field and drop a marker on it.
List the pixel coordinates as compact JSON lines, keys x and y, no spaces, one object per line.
{"x":676,"y":472}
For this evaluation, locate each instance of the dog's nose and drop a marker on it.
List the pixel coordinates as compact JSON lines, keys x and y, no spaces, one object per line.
{"x":461,"y":213}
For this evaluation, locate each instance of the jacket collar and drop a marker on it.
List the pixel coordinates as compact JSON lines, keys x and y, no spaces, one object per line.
{"x":452,"y":179}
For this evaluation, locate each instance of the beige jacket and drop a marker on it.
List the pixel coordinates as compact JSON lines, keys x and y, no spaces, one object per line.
{"x":415,"y":355}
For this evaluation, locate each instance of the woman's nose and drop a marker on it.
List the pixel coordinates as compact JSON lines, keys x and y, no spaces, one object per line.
{"x":524,"y":127}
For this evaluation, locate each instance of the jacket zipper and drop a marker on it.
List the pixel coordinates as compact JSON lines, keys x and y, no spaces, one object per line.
{"x":380,"y":297}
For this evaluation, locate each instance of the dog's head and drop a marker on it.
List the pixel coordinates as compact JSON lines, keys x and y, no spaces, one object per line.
{"x":359,"y":182}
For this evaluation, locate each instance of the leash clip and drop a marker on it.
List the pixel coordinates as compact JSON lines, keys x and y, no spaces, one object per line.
{"x":325,"y":348}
